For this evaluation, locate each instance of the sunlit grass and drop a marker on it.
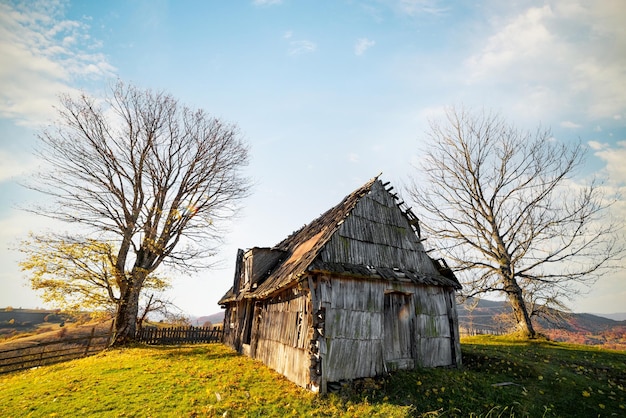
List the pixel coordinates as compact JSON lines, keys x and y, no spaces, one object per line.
{"x":208,"y":380}
{"x":500,"y":378}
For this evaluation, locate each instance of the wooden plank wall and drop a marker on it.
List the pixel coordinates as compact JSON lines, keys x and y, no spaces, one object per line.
{"x":283,"y":332}
{"x":378,"y":234}
{"x":231,"y":326}
{"x":353,"y":343}
{"x":434,"y":339}
{"x":353,"y":331}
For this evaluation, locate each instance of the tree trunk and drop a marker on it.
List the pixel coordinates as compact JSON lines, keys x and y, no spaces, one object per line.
{"x":520,"y":313}
{"x":126,"y":316}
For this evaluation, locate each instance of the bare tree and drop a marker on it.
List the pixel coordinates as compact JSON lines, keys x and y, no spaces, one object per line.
{"x":501,"y":203}
{"x":146,"y":173}
{"x":162,"y":307}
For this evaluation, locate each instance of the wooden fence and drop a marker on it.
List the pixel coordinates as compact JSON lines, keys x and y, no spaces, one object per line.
{"x":180,"y":335}
{"x":43,"y":353}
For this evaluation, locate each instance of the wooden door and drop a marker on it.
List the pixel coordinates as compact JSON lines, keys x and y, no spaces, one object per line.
{"x":398,"y":331}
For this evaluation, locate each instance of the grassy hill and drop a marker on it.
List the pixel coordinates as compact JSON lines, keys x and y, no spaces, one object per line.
{"x":501,"y":377}
{"x":485,"y":316}
{"x":16,"y":322}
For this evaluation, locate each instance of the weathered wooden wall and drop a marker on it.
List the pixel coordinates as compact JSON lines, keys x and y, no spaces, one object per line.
{"x":352,"y":343}
{"x":378,"y":234}
{"x":361,"y":339}
{"x":359,"y":296}
{"x":282,"y":333}
{"x":231,"y":326}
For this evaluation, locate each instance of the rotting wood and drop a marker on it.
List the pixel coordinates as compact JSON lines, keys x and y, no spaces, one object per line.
{"x":356,"y":295}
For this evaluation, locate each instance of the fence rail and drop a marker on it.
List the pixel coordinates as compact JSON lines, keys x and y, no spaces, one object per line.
{"x":44,"y":353}
{"x":180,"y":335}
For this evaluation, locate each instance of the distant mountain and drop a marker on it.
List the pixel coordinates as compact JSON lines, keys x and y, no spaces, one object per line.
{"x":481,"y":316}
{"x":215,"y":319}
{"x":620,"y":316}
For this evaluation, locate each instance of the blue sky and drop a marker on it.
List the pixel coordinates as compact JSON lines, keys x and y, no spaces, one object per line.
{"x":327,"y":93}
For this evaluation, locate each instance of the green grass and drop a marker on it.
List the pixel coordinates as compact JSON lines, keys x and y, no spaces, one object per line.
{"x":539,"y":379}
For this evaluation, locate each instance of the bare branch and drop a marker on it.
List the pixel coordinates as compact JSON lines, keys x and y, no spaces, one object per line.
{"x":139,"y":169}
{"x":501,"y":204}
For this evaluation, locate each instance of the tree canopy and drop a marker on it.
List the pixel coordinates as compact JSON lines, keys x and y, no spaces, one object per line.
{"x":78,"y":277}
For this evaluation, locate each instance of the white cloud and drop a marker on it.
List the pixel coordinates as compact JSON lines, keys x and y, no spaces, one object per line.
{"x":597,"y":146}
{"x":43,"y":54}
{"x":569,"y":124}
{"x":521,"y":38}
{"x":560,"y":56}
{"x":298,"y":46}
{"x":614,"y":174}
{"x":362,"y":45}
{"x":301,"y":47}
{"x":14,"y":166}
{"x":614,"y":158}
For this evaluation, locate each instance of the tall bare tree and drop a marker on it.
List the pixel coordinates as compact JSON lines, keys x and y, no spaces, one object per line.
{"x":146,"y":173}
{"x":502,"y":204}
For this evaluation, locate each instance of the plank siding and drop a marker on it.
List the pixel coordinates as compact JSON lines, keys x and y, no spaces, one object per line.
{"x":352,"y":294}
{"x":434,"y":352}
{"x":289,"y":361}
{"x":377,"y":234}
{"x":351,"y":359}
{"x":282,"y":336}
{"x":354,"y":342}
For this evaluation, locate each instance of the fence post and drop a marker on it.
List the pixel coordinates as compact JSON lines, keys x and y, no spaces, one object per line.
{"x":43,"y":348}
{"x":89,"y":341}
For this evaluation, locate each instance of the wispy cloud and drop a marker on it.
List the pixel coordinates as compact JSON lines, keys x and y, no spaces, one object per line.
{"x":15,"y":165}
{"x":266,"y":2}
{"x":614,"y":174}
{"x":571,"y":125}
{"x":43,"y":55}
{"x":299,"y":46}
{"x":597,"y":146}
{"x":556,"y":56}
{"x":418,"y":7}
{"x":614,"y":157}
{"x":362,"y":45}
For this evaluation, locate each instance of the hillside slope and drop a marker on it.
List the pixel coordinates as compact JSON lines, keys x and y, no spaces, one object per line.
{"x":500,"y":378}
{"x":493,"y":317}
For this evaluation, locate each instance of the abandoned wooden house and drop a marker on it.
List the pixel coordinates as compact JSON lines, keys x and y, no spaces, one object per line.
{"x":353,"y":294}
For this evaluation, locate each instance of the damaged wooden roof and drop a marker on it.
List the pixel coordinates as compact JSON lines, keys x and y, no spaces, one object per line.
{"x":366,"y":235}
